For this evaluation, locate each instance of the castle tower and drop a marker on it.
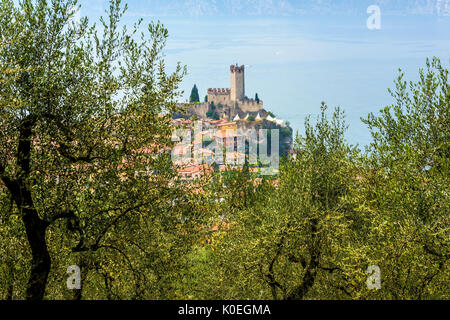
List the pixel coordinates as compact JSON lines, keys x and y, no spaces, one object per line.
{"x":237,"y":83}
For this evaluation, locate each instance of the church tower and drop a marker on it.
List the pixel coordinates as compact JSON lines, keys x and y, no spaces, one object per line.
{"x":237,"y":83}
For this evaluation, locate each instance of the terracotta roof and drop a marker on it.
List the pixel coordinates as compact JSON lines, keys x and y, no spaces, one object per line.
{"x":226,"y":124}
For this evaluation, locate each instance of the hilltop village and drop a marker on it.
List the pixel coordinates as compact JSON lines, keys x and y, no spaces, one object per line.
{"x":224,"y":115}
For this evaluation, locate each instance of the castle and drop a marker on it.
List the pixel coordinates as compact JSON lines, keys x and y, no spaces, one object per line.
{"x":226,"y":110}
{"x":229,"y":103}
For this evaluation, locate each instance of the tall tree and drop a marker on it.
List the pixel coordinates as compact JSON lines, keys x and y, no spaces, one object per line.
{"x":287,"y":244}
{"x":406,"y":186}
{"x":194,"y":95}
{"x":75,"y":119}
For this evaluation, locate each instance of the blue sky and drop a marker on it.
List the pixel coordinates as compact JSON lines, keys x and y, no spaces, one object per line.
{"x":299,"y":53}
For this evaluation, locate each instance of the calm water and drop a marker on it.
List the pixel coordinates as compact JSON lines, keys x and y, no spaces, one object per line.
{"x":296,"y":62}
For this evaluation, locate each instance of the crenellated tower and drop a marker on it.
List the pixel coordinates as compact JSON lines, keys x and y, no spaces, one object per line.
{"x":228,"y":103}
{"x":237,"y":83}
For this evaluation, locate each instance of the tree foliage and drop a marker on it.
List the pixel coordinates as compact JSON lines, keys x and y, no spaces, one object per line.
{"x":85,"y":119}
{"x":406,"y":186}
{"x":80,"y":127}
{"x":194,"y":97}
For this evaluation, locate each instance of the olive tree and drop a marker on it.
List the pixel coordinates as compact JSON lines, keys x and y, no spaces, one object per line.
{"x":84,"y":114}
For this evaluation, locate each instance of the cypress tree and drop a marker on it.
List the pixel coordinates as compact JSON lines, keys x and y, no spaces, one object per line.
{"x":194,"y":95}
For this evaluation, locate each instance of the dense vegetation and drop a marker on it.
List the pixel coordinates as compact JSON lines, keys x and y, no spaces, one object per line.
{"x":78,"y":109}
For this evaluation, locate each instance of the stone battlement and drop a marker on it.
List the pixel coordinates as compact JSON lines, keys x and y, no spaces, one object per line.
{"x":252,"y":101}
{"x":237,"y":69}
{"x":250,"y":105}
{"x":219,"y":91}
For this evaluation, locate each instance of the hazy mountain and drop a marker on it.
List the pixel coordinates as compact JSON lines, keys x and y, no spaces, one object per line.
{"x":292,"y":7}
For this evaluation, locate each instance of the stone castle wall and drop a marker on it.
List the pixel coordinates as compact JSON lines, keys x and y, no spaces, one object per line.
{"x":199,"y":109}
{"x":219,"y":96}
{"x":228,"y":102}
{"x":250,"y":105}
{"x":226,"y":111}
